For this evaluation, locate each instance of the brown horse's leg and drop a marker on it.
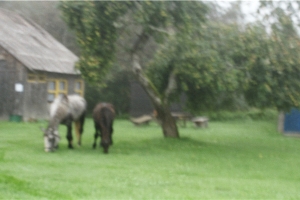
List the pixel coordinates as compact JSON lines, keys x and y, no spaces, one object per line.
{"x":77,"y":130}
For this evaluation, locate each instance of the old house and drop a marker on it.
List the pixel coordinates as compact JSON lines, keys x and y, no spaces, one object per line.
{"x":34,"y":68}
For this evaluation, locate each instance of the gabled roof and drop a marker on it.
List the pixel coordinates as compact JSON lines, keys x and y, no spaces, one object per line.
{"x":33,"y":46}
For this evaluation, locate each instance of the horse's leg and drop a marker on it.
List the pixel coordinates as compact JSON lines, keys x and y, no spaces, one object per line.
{"x":81,"y":122}
{"x":110,"y":135}
{"x":69,"y":134}
{"x":95,"y":136}
{"x":78,"y":133}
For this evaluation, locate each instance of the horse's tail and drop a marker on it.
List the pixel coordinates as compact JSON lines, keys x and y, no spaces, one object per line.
{"x":79,"y":124}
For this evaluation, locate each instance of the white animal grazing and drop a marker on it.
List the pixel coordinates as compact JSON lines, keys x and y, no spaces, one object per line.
{"x":64,"y":110}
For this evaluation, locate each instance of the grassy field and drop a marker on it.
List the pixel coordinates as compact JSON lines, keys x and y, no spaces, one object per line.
{"x":229,"y":160}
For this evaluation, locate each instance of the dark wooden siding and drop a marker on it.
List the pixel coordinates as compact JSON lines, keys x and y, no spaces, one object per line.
{"x":35,"y":101}
{"x":10,"y":73}
{"x":7,"y":94}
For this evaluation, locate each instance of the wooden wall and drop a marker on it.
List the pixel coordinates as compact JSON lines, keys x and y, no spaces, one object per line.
{"x":36,"y":105}
{"x":31,"y":103}
{"x":11,"y":72}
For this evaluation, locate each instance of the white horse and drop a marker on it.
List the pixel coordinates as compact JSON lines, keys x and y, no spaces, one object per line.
{"x":64,"y":110}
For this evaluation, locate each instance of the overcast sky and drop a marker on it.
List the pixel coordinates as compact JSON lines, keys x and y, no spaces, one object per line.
{"x":249,"y":7}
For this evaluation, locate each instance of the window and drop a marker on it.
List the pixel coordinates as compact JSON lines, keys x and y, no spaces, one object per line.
{"x":41,"y":78}
{"x":36,"y":77}
{"x":31,"y":77}
{"x":56,"y":87}
{"x":79,"y":87}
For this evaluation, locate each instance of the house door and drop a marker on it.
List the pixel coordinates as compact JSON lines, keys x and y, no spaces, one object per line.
{"x":7,"y":90}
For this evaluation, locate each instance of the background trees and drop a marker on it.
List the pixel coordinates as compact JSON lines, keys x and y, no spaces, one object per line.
{"x":99,"y":25}
{"x":212,"y":63}
{"x":216,"y":58}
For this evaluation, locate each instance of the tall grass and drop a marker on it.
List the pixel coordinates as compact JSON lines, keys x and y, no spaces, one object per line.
{"x":229,"y":160}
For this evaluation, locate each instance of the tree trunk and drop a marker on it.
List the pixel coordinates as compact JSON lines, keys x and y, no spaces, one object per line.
{"x":168,"y":123}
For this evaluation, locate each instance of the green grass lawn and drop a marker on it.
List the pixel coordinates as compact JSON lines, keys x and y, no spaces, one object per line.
{"x":229,"y":160}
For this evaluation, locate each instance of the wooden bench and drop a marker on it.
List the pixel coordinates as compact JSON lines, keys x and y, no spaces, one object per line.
{"x":201,"y":122}
{"x":144,"y":119}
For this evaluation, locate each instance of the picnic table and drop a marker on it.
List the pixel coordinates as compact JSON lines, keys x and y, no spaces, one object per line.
{"x":200,"y":122}
{"x":181,"y":116}
{"x":144,"y":119}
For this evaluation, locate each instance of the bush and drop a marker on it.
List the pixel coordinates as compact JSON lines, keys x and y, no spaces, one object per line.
{"x":251,"y":114}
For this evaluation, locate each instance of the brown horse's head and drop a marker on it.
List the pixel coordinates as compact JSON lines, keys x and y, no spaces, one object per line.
{"x":106,"y":139}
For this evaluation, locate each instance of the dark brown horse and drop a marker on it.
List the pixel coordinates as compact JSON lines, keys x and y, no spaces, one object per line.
{"x":103,"y":115}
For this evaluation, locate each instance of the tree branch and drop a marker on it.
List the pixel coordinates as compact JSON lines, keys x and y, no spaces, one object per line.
{"x":172,"y":85}
{"x":167,"y":32}
{"x":143,"y":80}
{"x":139,"y":42}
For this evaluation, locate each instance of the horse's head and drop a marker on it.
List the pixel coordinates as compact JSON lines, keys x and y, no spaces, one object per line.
{"x":51,"y":139}
{"x":105,"y":143}
{"x":106,"y":139}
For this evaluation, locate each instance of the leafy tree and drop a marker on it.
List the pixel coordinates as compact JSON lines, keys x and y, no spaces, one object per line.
{"x":99,"y":25}
{"x":274,"y":65}
{"x":171,"y":50}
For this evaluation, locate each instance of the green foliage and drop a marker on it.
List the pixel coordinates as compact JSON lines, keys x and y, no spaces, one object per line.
{"x":96,"y":33}
{"x":273,"y":69}
{"x":227,"y":63}
{"x":115,"y":91}
{"x":203,"y":66}
{"x":232,"y":160}
{"x":96,"y":25}
{"x":250,"y":114}
{"x":213,"y":64}
{"x":156,"y":17}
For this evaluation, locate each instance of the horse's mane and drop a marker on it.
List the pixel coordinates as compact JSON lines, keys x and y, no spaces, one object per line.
{"x":57,"y":104}
{"x":103,"y":107}
{"x":108,"y":112}
{"x":73,"y":104}
{"x":77,"y":105}
{"x":59,"y":109}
